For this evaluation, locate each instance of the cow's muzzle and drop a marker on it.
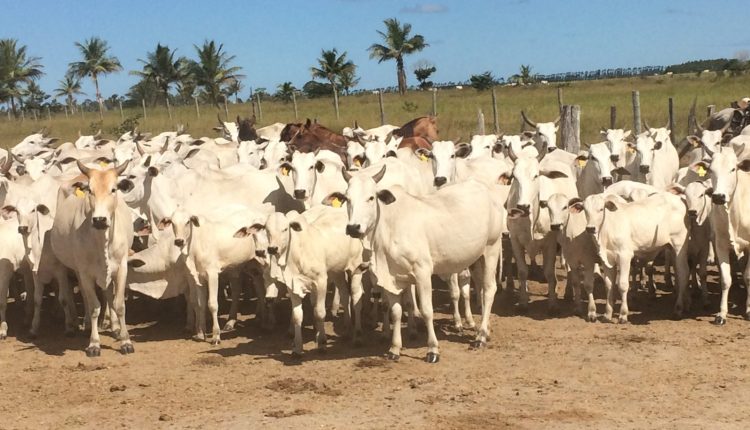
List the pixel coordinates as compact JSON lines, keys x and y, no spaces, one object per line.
{"x":644,"y":169}
{"x":23,"y":229}
{"x":99,"y":223}
{"x":719,"y":199}
{"x":591,"y":230}
{"x":555,"y":227}
{"x":352,"y":230}
{"x":300,"y":194}
{"x":179,"y":243}
{"x":606,"y":181}
{"x":272,"y":250}
{"x":440,"y":181}
{"x":260,"y":253}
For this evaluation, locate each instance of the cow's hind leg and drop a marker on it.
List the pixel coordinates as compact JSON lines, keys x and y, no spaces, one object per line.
{"x":213,"y":305}
{"x":424,"y":288}
{"x":93,"y":307}
{"x":6,"y":272}
{"x":235,"y":288}
{"x":126,"y":346}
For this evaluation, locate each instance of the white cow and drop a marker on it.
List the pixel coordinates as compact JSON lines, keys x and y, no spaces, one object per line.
{"x":310,"y":249}
{"x":315,"y":175}
{"x":657,"y":162}
{"x":532,"y":182}
{"x":577,"y":246}
{"x":618,"y":147}
{"x":92,"y":235}
{"x":642,"y":228}
{"x":730,"y":194}
{"x":411,"y":239}
{"x":598,"y":170}
{"x":11,"y":258}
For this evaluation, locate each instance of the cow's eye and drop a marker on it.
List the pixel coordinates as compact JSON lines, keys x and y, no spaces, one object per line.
{"x":453,"y":155}
{"x":371,"y":198}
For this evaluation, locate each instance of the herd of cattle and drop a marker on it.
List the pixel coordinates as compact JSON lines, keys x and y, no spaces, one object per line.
{"x":375,"y":213}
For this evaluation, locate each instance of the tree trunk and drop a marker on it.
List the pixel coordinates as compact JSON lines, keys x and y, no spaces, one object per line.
{"x":401,"y":75}
{"x":13,"y":106}
{"x":98,"y":97}
{"x":335,"y":99}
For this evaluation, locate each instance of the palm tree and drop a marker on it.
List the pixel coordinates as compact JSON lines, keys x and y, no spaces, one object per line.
{"x":95,"y":62}
{"x":16,"y":68}
{"x":331,"y":67}
{"x":348,"y":80}
{"x":161,"y":67}
{"x":69,"y":87}
{"x":233,"y":89}
{"x":397,"y":44}
{"x":285,"y":91}
{"x":213,"y":71}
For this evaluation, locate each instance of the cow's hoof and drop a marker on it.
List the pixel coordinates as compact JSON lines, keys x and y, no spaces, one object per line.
{"x":296,"y":356}
{"x":676,"y":316}
{"x":623,"y":320}
{"x":391,"y":356}
{"x":229,"y":326}
{"x":199,"y":338}
{"x":33,"y":335}
{"x":606,"y":319}
{"x":747,"y":316}
{"x":93,"y":351}
{"x":127,"y":348}
{"x":477,"y":344}
{"x":591,"y":318}
{"x":3,"y":336}
{"x":215,"y":341}
{"x":432,"y":357}
{"x":719,"y":320}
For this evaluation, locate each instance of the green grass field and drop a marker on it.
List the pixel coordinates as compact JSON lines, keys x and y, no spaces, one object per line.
{"x":457,"y":109}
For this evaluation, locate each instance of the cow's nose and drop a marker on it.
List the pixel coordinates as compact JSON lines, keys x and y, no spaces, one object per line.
{"x":23,"y":229}
{"x":299,"y":194}
{"x":179,"y":243}
{"x":718,"y":199}
{"x":352,"y":230}
{"x":590,"y":229}
{"x":692,"y":213}
{"x":99,"y":222}
{"x":440,"y":181}
{"x":555,"y":227}
{"x":614,"y":158}
{"x":606,"y":181}
{"x":272,"y":250}
{"x":644,"y":169}
{"x":260,"y":253}
{"x":153,"y":171}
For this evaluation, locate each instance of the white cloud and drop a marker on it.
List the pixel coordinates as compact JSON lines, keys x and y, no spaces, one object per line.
{"x":425,"y":8}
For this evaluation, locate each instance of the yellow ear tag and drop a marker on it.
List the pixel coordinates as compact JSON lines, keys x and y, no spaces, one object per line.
{"x":357,"y":162}
{"x":79,"y":193}
{"x":336,"y":202}
{"x":285,"y":171}
{"x":581,"y":163}
{"x":103,"y":163}
{"x":701,"y":171}
{"x":423,"y":157}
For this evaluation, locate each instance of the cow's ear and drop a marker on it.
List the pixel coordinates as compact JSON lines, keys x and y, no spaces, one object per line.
{"x":247,"y":231}
{"x":554,"y":174}
{"x":285,"y":168}
{"x":694,"y":141}
{"x":7,"y":211}
{"x":505,"y":179}
{"x":42,"y":209}
{"x":627,"y":134}
{"x":610,"y":206}
{"x":164,"y":223}
{"x":136,"y":263}
{"x":744,"y":165}
{"x":676,"y":189}
{"x":575,"y":205}
{"x":125,"y":185}
{"x":195,"y":221}
{"x":335,"y":199}
{"x":700,"y":168}
{"x":296,"y":226}
{"x":463,"y":150}
{"x":386,"y":197}
{"x":710,"y":191}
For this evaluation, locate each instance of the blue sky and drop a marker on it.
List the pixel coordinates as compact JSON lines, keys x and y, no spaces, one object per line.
{"x":277,"y":41}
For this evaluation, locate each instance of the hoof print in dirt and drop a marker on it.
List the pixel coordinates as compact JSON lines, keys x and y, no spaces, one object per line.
{"x":432,"y":358}
{"x":93,"y":351}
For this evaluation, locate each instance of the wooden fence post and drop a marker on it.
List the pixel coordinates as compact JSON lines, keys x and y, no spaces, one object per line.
{"x":559,"y":100}
{"x":66,"y":112}
{"x":480,"y":122}
{"x":495,"y":121}
{"x":197,"y":109}
{"x":671,"y":121}
{"x":143,"y":103}
{"x":294,"y":100}
{"x":260,"y":109}
{"x":49,"y":116}
{"x":169,"y":108}
{"x":570,"y":128}
{"x":636,"y":113}
{"x":382,"y":109}
{"x":709,"y":110}
{"x":612,"y":116}
{"x":122,"y":115}
{"x":226,"y":108}
{"x":434,"y":101}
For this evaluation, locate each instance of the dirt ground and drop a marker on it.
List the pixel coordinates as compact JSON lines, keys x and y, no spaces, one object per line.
{"x":537,"y":372}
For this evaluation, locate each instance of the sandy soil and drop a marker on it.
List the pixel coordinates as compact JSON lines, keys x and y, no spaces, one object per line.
{"x":537,"y":371}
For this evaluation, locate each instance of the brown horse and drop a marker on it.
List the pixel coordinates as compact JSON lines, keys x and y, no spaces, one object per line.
{"x":425,"y":126}
{"x":311,"y":137}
